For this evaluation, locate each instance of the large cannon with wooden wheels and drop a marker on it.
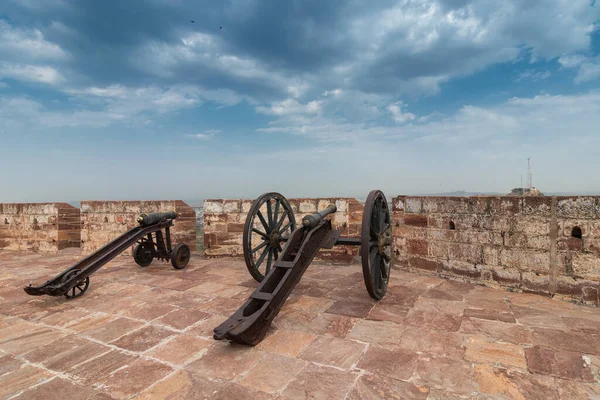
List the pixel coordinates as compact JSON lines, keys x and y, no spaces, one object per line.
{"x":277,"y":253}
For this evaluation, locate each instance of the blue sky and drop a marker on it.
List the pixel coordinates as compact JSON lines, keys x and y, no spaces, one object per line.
{"x":133,"y":100}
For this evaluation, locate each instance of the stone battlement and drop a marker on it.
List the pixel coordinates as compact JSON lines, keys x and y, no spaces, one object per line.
{"x":49,"y":227}
{"x":544,"y":245}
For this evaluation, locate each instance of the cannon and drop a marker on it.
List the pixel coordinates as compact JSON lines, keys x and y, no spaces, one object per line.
{"x":75,"y":280}
{"x":279,"y":269}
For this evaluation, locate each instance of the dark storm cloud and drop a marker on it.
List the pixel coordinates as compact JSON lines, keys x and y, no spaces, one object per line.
{"x":257,"y":47}
{"x":291,"y":37}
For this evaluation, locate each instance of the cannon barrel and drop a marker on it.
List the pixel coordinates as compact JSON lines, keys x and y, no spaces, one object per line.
{"x":311,"y":221}
{"x":154,"y":218}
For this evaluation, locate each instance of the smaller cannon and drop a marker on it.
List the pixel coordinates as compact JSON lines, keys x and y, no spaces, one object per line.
{"x":75,"y":280}
{"x":283,"y":267}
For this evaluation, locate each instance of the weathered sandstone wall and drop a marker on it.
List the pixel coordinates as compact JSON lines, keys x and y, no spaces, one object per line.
{"x":547,"y":245}
{"x":103,"y":221}
{"x":224,"y":225}
{"x":43,"y":227}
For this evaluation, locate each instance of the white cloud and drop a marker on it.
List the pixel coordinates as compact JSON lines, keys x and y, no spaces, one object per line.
{"x":27,"y":44}
{"x":571,"y":61}
{"x":533,"y":75}
{"x":399,"y":116}
{"x":518,"y":120}
{"x":31,"y":73}
{"x":133,"y":101}
{"x":205,"y":136}
{"x":588,"y":68}
{"x":588,"y":71}
{"x":291,"y":107}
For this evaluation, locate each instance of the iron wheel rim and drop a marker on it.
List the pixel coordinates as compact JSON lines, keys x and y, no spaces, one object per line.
{"x":80,"y":288}
{"x":143,"y":254}
{"x":376,"y":244}
{"x":183,"y":255}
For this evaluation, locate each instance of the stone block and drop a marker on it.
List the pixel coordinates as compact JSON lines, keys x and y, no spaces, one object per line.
{"x":586,"y":266}
{"x":307,"y":206}
{"x":496,"y":205}
{"x":415,"y":220}
{"x":417,"y":247}
{"x":231,"y":206}
{"x":413,"y":205}
{"x":565,"y":226}
{"x":437,"y":250}
{"x":481,"y":350}
{"x":536,"y":205}
{"x":213,"y":207}
{"x":535,"y":282}
{"x":526,"y":260}
{"x":592,"y":245}
{"x":410,"y":232}
{"x":578,"y":207}
{"x":562,"y":364}
{"x":245,"y":206}
{"x":571,"y":244}
{"x":506,"y":276}
{"x":462,"y":269}
{"x":398,"y":203}
{"x":465,"y":252}
{"x":425,"y":264}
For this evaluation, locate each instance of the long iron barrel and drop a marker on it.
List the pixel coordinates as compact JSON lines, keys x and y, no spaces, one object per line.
{"x":154,"y":218}
{"x":311,"y":221}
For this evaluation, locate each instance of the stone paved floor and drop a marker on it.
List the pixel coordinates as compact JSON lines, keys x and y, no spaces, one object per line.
{"x":146,"y":333}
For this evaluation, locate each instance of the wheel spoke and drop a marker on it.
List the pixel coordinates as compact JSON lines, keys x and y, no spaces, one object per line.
{"x":276,"y":214}
{"x":379,"y":208}
{"x":385,"y":256}
{"x":373,"y":243}
{"x":381,"y":217}
{"x":261,"y":233}
{"x":262,"y":257}
{"x":384,"y":269}
{"x":260,"y":246}
{"x":278,"y":225}
{"x":73,"y":290}
{"x":262,"y":220}
{"x":269,"y":213}
{"x":276,"y":254}
{"x":374,"y":220}
{"x":285,"y":227}
{"x":375,"y":270}
{"x":269,"y":261}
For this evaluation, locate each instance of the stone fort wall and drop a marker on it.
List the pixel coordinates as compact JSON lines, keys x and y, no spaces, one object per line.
{"x":43,"y":227}
{"x":49,"y":227}
{"x":546,"y":245}
{"x":103,"y":221}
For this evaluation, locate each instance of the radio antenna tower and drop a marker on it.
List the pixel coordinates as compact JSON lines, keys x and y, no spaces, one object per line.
{"x":529,"y":180}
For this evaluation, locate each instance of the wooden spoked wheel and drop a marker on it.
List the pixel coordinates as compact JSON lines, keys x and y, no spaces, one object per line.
{"x":376,"y":244}
{"x":269,"y":223}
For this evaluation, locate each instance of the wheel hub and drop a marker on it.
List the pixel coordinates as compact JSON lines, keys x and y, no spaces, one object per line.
{"x":383,"y":240}
{"x":274,"y":239}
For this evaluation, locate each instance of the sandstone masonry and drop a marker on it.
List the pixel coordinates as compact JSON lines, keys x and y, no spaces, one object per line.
{"x":547,"y":245}
{"x":103,"y":221}
{"x":43,"y":227}
{"x":224,"y":225}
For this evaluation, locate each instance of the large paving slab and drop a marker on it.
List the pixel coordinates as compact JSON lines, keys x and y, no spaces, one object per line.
{"x":146,"y":333}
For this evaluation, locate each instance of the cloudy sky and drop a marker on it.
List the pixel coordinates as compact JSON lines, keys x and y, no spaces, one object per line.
{"x":232,"y":98}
